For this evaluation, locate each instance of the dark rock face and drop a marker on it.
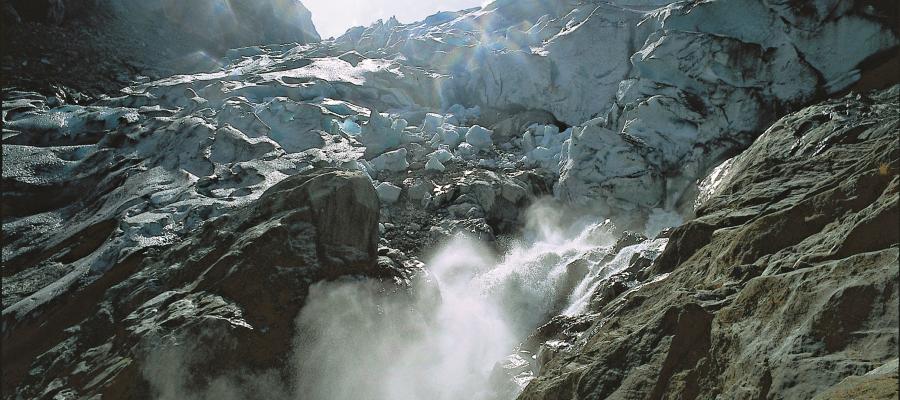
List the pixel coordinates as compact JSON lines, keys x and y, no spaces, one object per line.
{"x":343,"y":208}
{"x":100,"y":46}
{"x":218,"y":26}
{"x":226,"y":293}
{"x":463,"y":199}
{"x":784,"y":287}
{"x":51,"y":11}
{"x":231,"y":23}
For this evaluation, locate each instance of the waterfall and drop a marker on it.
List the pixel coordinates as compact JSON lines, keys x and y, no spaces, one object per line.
{"x":581,"y":296}
{"x":443,"y":339}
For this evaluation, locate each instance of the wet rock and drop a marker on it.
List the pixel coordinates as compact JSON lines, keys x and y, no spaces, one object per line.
{"x":684,"y":241}
{"x":767,"y":293}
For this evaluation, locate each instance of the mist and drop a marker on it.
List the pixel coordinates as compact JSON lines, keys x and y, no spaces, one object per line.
{"x":357,"y":340}
{"x":171,"y":365}
{"x":443,"y":337}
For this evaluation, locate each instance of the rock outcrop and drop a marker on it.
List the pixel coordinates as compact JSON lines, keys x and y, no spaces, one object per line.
{"x":783,"y":287}
{"x":215,"y":26}
{"x":211,"y":25}
{"x":100,"y":46}
{"x":223,"y":290}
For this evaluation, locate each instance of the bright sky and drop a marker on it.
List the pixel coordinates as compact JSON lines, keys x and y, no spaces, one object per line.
{"x":334,"y":17}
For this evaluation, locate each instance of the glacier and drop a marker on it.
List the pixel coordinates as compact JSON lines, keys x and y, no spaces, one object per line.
{"x":618,"y":109}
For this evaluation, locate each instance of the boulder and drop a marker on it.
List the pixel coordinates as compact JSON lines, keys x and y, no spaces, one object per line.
{"x":388,"y":193}
{"x":447,"y":136}
{"x":420,"y":189}
{"x":432,"y":123}
{"x":380,"y":134}
{"x":434,"y":165}
{"x":466,"y":151}
{"x":479,"y":137}
{"x":343,"y":206}
{"x":441,"y":155}
{"x":393,"y":161}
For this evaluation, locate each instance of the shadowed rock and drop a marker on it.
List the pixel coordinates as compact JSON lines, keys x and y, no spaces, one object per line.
{"x":228,"y":292}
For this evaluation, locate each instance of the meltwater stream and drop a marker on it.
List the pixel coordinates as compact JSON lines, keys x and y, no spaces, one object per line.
{"x":358,"y":340}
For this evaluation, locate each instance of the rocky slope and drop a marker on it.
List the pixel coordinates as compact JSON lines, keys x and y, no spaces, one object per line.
{"x":783,"y":287}
{"x":160,"y":242}
{"x":85,"y":48}
{"x":212,"y":284}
